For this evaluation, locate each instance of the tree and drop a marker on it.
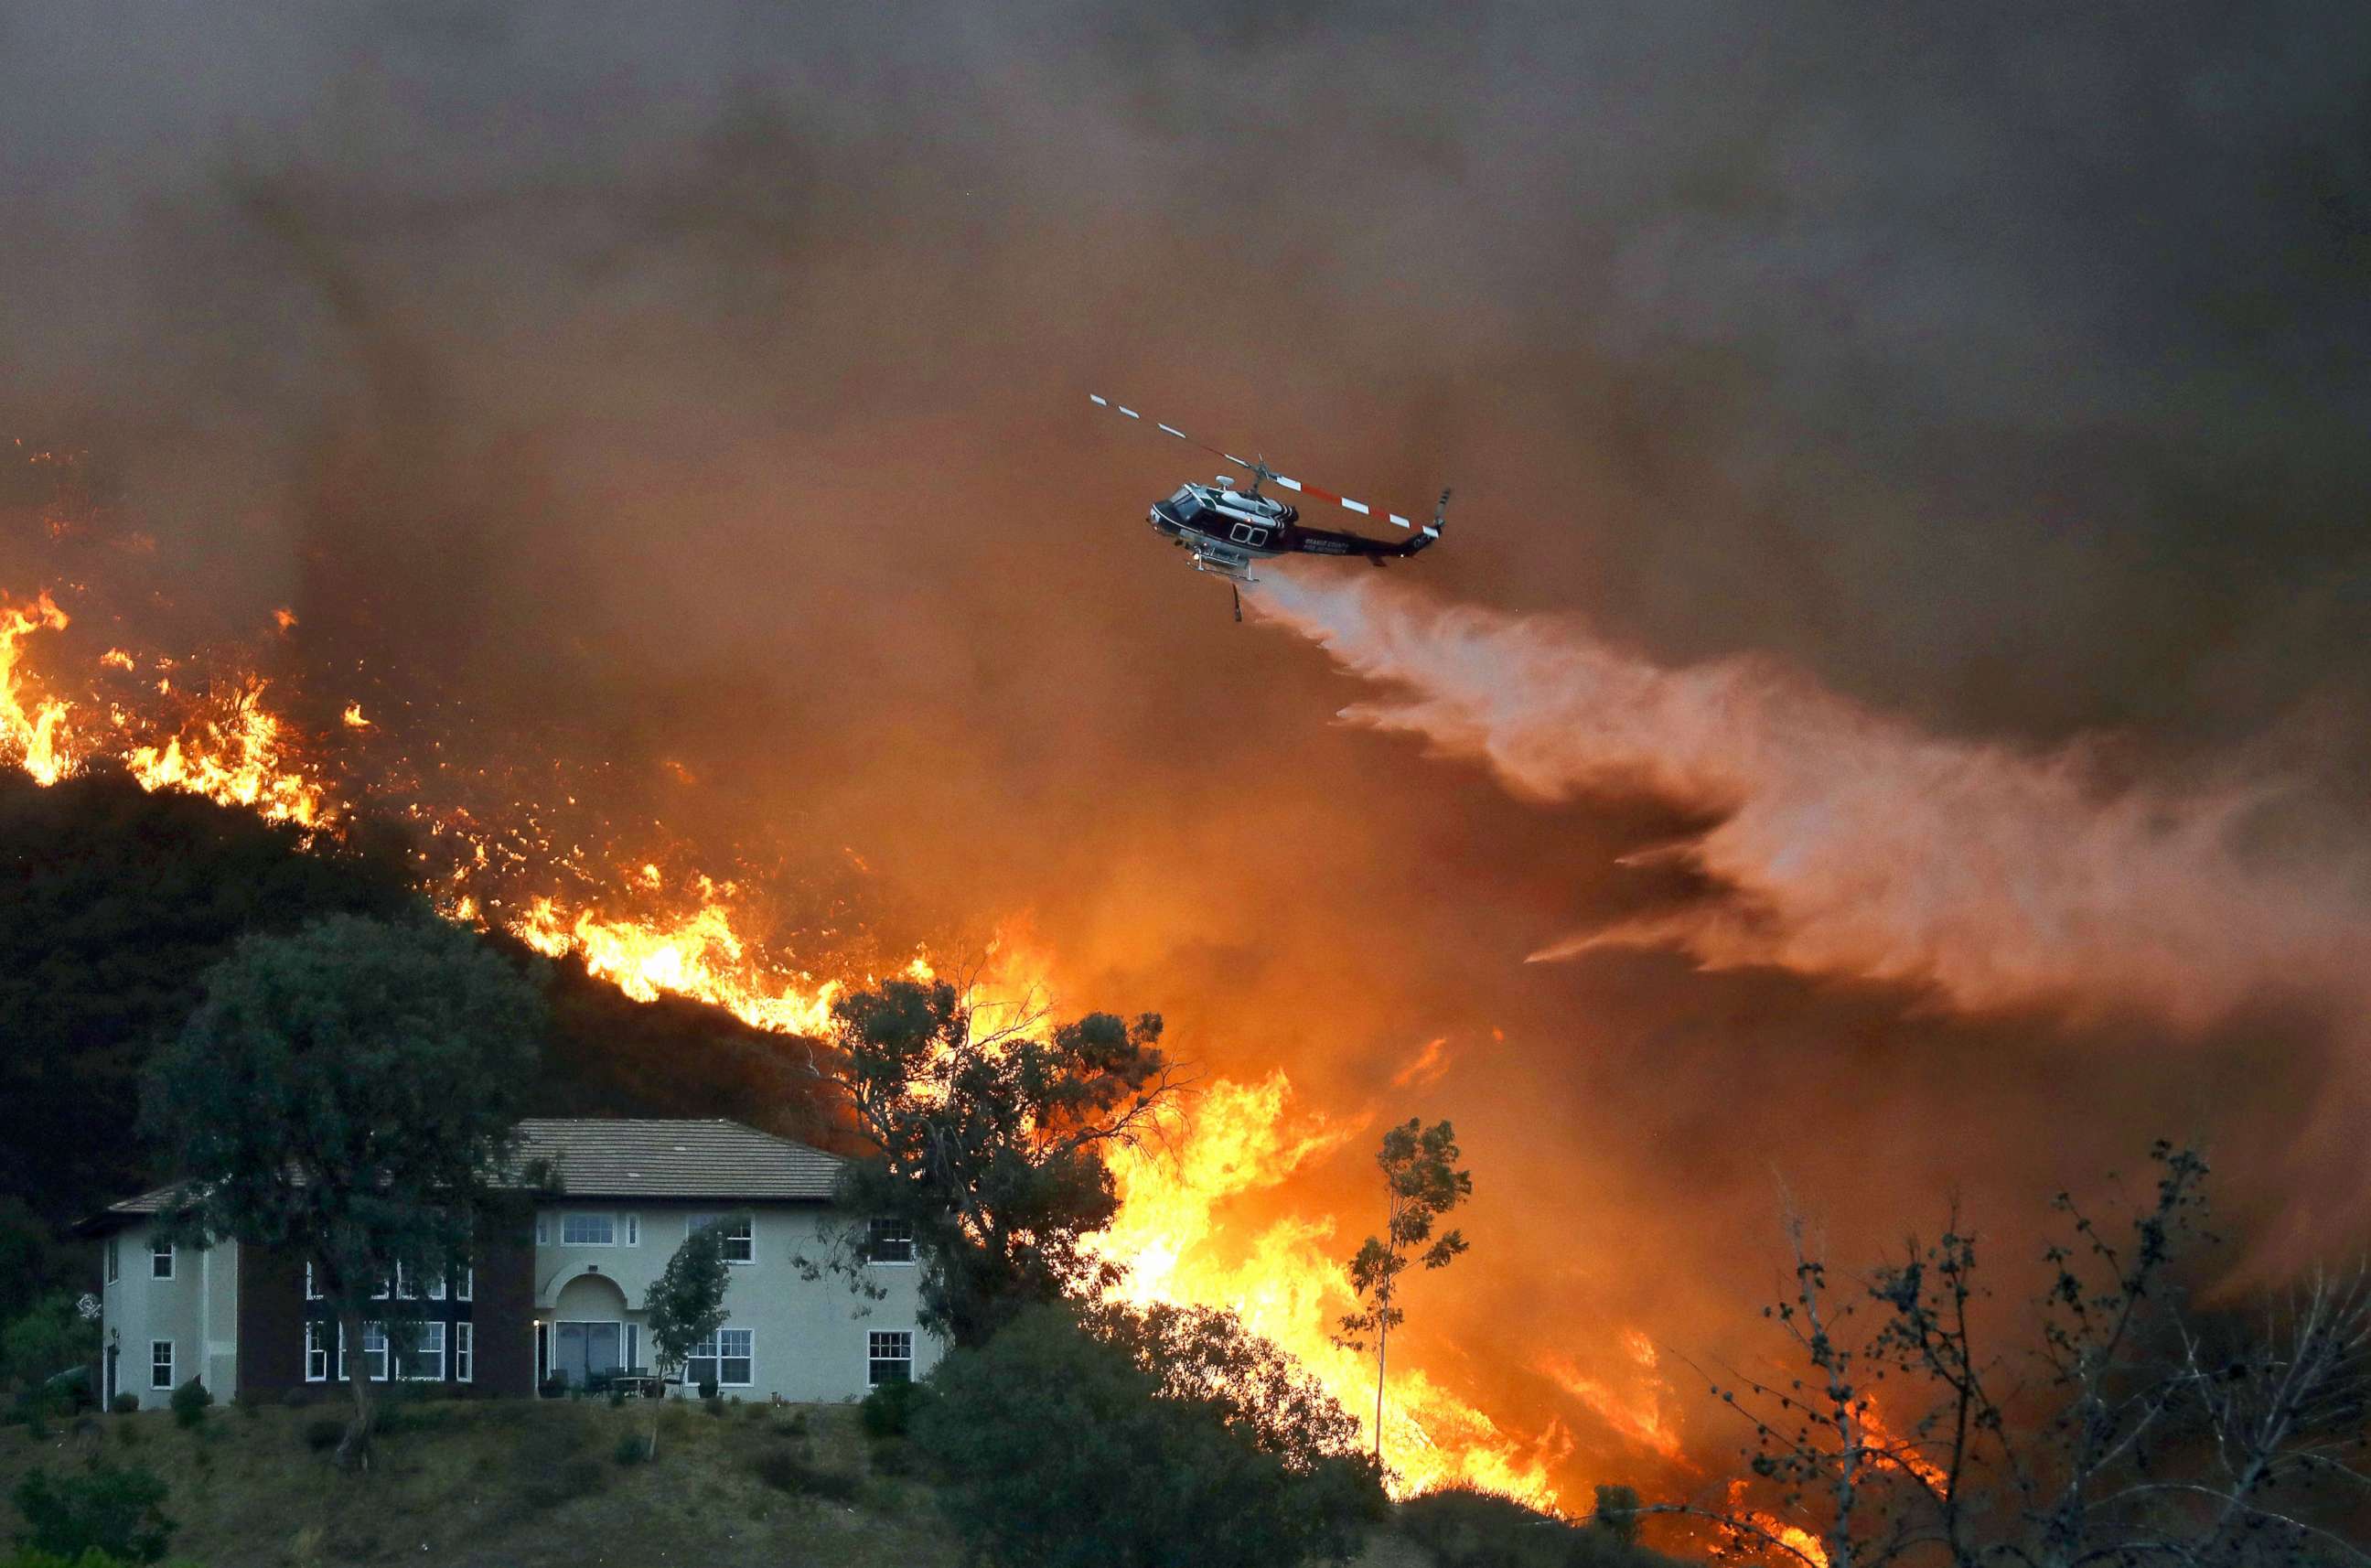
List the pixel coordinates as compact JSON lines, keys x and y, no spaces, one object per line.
{"x":2134,"y":1429}
{"x":1420,"y":1184}
{"x":687,"y":1304}
{"x":351,"y":1091}
{"x":988,"y":1145}
{"x":51,"y":1336}
{"x":1062,"y":1449}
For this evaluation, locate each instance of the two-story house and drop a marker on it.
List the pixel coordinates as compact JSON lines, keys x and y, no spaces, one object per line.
{"x":566,"y":1301}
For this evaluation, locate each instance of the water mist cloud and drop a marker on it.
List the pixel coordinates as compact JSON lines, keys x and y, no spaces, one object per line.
{"x":1850,"y":842}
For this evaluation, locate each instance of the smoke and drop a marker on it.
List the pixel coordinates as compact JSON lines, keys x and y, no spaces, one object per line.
{"x":1849,"y":842}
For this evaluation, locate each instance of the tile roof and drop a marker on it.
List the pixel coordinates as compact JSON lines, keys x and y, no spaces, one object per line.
{"x":607,"y":1157}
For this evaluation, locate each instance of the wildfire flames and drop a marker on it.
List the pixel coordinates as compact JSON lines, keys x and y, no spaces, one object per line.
{"x":219,"y":738}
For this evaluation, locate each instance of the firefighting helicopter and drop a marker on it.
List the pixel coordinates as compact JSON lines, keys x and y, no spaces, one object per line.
{"x":1227,"y":528}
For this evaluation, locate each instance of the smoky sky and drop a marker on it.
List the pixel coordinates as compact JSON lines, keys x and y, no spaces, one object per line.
{"x":706,"y":386}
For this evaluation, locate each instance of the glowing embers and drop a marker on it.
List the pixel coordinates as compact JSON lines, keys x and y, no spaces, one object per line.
{"x":696,"y":953}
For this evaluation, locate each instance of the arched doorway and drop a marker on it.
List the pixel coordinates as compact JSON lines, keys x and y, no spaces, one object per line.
{"x":589,"y":1338}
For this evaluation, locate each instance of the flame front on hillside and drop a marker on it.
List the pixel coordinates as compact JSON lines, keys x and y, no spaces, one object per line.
{"x":693,"y":939}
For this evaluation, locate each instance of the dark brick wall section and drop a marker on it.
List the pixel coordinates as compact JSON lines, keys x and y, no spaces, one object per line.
{"x":507,"y":1317}
{"x":273,"y":1309}
{"x":271,"y":1322}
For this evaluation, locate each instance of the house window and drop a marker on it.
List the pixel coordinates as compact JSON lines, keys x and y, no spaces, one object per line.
{"x":405,"y":1290}
{"x":543,"y":1230}
{"x":312,"y":1285}
{"x":740,"y":1234}
{"x":114,"y":1259}
{"x":892,"y":1356}
{"x":160,"y":1260}
{"x":465,"y":1352}
{"x":424,"y":1361}
{"x":727,"y":1358}
{"x":633,"y":1230}
{"x":588,"y":1230}
{"x":374,"y":1351}
{"x":316,"y":1352}
{"x":160,"y":1364}
{"x":466,"y":1289}
{"x":889,"y":1241}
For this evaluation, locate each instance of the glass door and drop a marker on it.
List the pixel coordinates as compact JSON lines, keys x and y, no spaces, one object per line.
{"x":581,"y":1352}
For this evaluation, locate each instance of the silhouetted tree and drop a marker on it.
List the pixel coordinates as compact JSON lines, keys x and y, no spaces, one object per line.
{"x":351,"y":1092}
{"x":2134,"y":1431}
{"x":987,"y":1146}
{"x":1420,"y":1184}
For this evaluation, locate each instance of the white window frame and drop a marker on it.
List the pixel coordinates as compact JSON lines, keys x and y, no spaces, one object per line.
{"x":711,"y":1350}
{"x":167,"y":1346}
{"x":465,"y":1352}
{"x":633,"y":1225}
{"x":422,"y":1329}
{"x":312,"y":1285}
{"x":316,"y":1350}
{"x":467,"y":1289}
{"x":162,"y":1252}
{"x":542,"y":1230}
{"x":368,"y":1329}
{"x":114,"y":1259}
{"x":873,"y":1358}
{"x":587,"y":1215}
{"x":691,"y":1224}
{"x":871,"y":1233}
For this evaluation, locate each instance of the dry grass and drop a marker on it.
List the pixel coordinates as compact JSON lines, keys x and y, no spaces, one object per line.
{"x":530,"y":1485}
{"x":482,"y":1484}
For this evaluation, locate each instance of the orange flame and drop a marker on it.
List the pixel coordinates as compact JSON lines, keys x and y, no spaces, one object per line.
{"x":37,"y":740}
{"x":1288,"y":1286}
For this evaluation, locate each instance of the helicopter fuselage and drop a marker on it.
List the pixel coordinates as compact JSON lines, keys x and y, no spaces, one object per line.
{"x":1226,"y":529}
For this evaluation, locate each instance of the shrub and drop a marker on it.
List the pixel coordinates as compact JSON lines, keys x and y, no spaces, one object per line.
{"x":1467,"y":1528}
{"x":893,"y":1455}
{"x":632,"y":1449}
{"x":888,"y":1411}
{"x":708,"y":1388}
{"x":324,"y":1431}
{"x":189,"y":1401}
{"x":616,"y":1399}
{"x":119,"y":1512}
{"x":786,"y":1471}
{"x":579,"y":1477}
{"x":124,"y":1403}
{"x":1060,"y":1449}
{"x":712,"y":1405}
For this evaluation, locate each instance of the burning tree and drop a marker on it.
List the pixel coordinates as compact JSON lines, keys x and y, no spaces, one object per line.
{"x":987,"y":1146}
{"x":1420,"y":1184}
{"x":2137,"y":1430}
{"x":351,"y":1092}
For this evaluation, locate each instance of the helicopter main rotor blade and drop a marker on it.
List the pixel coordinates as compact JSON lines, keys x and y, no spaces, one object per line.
{"x":1102,"y":401}
{"x":1260,"y":468}
{"x":1342,"y":501}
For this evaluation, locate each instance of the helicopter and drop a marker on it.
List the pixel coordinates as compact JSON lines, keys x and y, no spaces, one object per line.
{"x":1227,"y":528}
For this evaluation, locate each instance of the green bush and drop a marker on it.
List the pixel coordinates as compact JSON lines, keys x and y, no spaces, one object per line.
{"x":1468,"y":1528}
{"x":189,"y":1401}
{"x":786,"y":1471}
{"x":1060,"y":1449}
{"x":634,"y":1448}
{"x":124,"y":1403}
{"x":888,"y":1411}
{"x":579,"y":1477}
{"x":711,"y":1404}
{"x":119,"y":1512}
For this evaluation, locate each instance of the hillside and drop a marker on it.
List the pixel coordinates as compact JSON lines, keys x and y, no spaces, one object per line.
{"x":528,"y":1485}
{"x":117,"y":900}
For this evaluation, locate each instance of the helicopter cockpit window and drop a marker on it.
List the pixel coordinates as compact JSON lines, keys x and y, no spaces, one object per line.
{"x":1185,"y":499}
